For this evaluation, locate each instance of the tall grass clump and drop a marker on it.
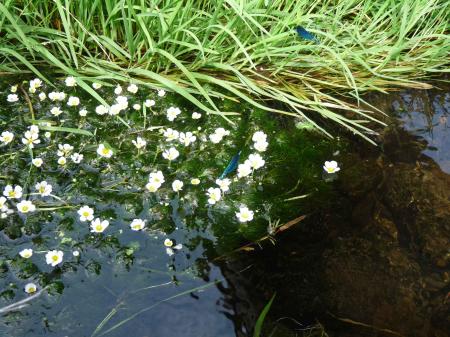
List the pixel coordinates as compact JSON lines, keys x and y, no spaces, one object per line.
{"x":245,"y":50}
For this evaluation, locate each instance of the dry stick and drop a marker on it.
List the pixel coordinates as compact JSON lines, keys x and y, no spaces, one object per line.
{"x":20,"y":304}
{"x":27,"y":98}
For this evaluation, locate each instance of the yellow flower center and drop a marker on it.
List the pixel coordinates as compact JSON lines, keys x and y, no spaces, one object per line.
{"x":25,"y":208}
{"x":31,"y":289}
{"x":55,"y":258}
{"x":99,"y":228}
{"x":12,"y":194}
{"x":85,"y":213}
{"x":105,"y":151}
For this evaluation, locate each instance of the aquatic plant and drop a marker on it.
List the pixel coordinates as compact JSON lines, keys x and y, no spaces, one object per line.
{"x":243,"y":50}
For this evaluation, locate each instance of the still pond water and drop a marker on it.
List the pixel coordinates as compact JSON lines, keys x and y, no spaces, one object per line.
{"x":172,"y":277}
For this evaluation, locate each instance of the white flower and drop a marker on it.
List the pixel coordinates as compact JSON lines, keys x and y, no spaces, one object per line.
{"x":224,"y":184}
{"x":47,"y":134}
{"x":139,"y":142}
{"x":149,"y":103}
{"x":171,"y":134}
{"x":13,"y":88}
{"x":136,"y":106}
{"x":214,"y":195}
{"x":12,"y":192}
{"x":256,"y":161}
{"x":187,"y":138}
{"x":77,"y":158}
{"x":195,"y":181}
{"x":170,"y":248}
{"x":37,"y":162}
{"x":196,"y":115}
{"x":6,"y":137}
{"x":260,"y":146}
{"x":161,"y":93}
{"x":152,"y":186}
{"x":62,"y":161}
{"x":76,"y":253}
{"x":137,"y":224}
{"x":331,"y":167}
{"x":218,"y":134}
{"x":118,"y":90}
{"x":34,"y":129}
{"x":35,"y":84}
{"x":104,"y":151}
{"x":122,"y":101}
{"x":56,"y":111}
{"x":115,"y":109}
{"x":71,"y":81}
{"x":26,"y":253}
{"x":44,"y":188}
{"x":96,"y":85}
{"x":244,"y":214}
{"x":64,"y":150}
{"x":98,"y":226}
{"x":54,"y":257}
{"x":101,"y":110}
{"x":12,"y":98}
{"x":30,"y":288}
{"x":26,"y":206}
{"x":172,"y":113}
{"x":157,"y":177}
{"x":2,"y":202}
{"x":171,"y":154}
{"x":222,"y":132}
{"x":42,"y":96}
{"x":57,"y":96}
{"x":177,"y":185}
{"x":73,"y":101}
{"x":86,"y":213}
{"x":133,"y":88}
{"x":259,"y":136}
{"x":83,"y":112}
{"x":244,"y":169}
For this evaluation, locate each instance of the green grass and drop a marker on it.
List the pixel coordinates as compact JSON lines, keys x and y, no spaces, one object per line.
{"x":238,"y":49}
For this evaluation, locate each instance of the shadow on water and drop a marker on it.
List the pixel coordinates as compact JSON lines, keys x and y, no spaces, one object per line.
{"x":371,"y":259}
{"x":377,"y":262}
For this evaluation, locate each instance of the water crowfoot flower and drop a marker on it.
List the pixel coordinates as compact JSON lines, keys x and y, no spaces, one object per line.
{"x":98,"y":226}
{"x":56,"y":111}
{"x":161,"y":93}
{"x":137,"y":224}
{"x":37,"y":162}
{"x":44,"y":188}
{"x":34,"y":85}
{"x":64,"y":150}
{"x":196,"y":115}
{"x":171,"y":247}
{"x":177,"y":185}
{"x":30,"y":288}
{"x":96,"y":85}
{"x":101,"y":110}
{"x":118,"y":90}
{"x":261,"y":146}
{"x":172,"y":113}
{"x":26,"y":253}
{"x":77,"y":158}
{"x":12,"y":98}
{"x":54,"y":257}
{"x":255,"y":161}
{"x":42,"y":96}
{"x":83,"y":112}
{"x":26,"y":206}
{"x":12,"y":192}
{"x":57,"y":96}
{"x":30,"y":138}
{"x":62,"y":161}
{"x":6,"y":137}
{"x":214,"y":195}
{"x":133,"y":88}
{"x":171,"y":134}
{"x":244,"y":214}
{"x":331,"y":167}
{"x":70,"y":81}
{"x":195,"y":181}
{"x":73,"y":101}
{"x":149,"y":103}
{"x":103,"y":151}
{"x":259,"y":136}
{"x":171,"y":154}
{"x":224,"y":184}
{"x":13,"y":88}
{"x":139,"y":143}
{"x":187,"y":138}
{"x":136,"y":106}
{"x":244,"y":169}
{"x":218,"y":135}
{"x":86,"y":213}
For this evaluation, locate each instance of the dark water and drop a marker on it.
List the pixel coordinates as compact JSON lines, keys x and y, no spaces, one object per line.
{"x":328,"y":271}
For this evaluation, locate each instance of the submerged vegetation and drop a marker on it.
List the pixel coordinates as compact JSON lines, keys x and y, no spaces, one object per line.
{"x":243,"y":50}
